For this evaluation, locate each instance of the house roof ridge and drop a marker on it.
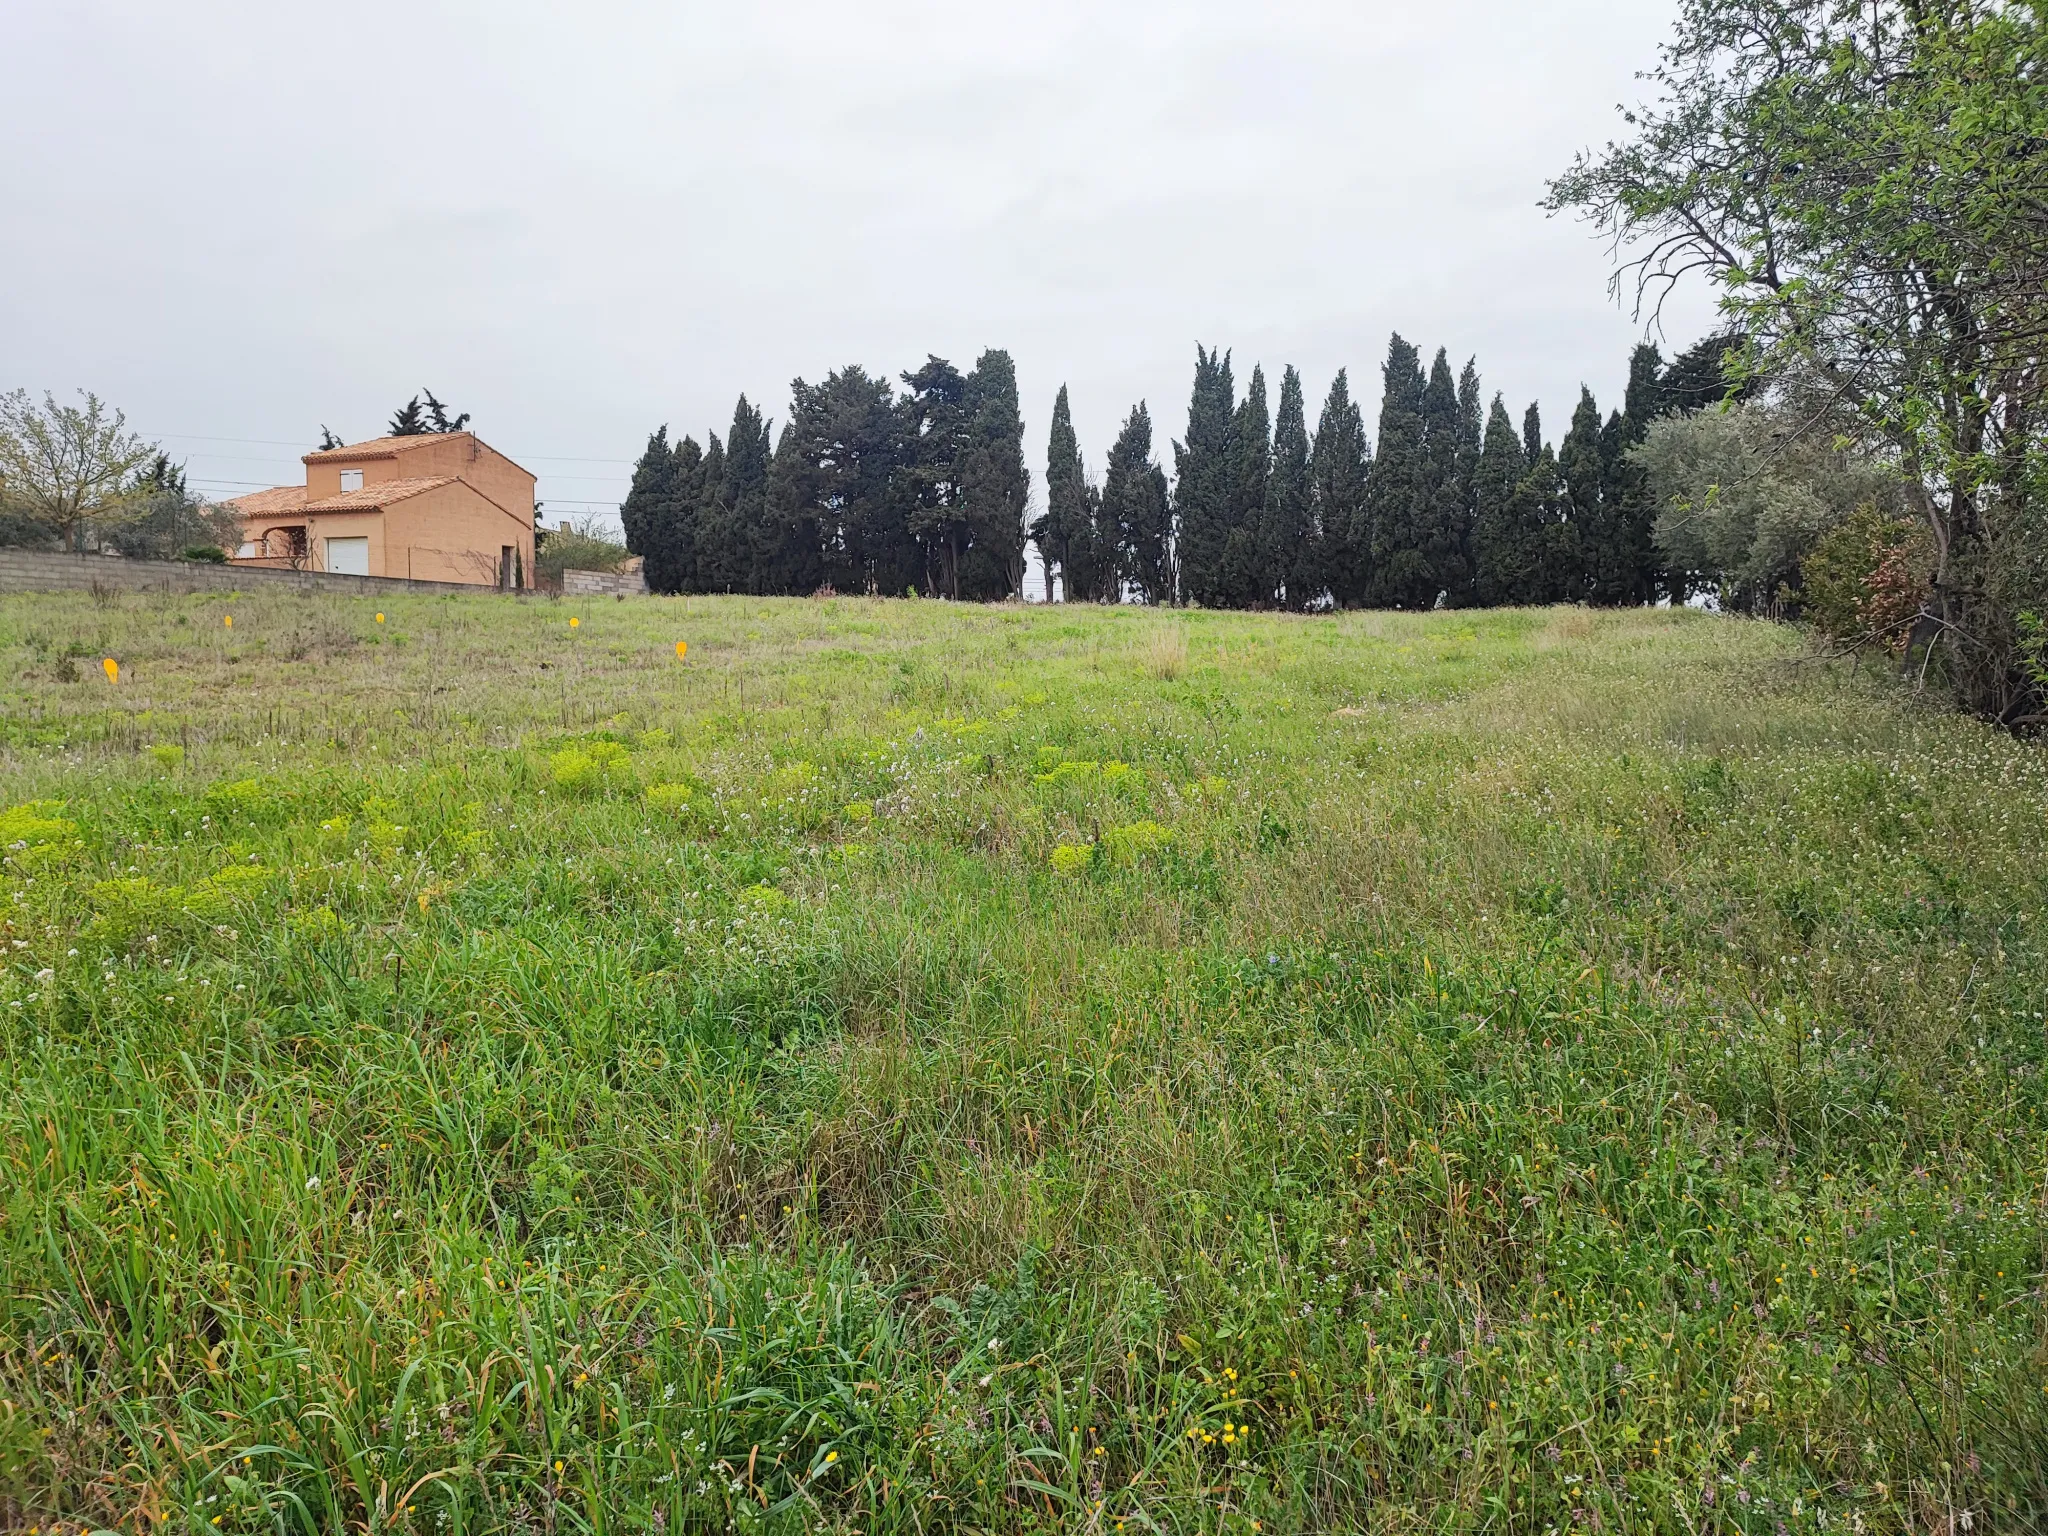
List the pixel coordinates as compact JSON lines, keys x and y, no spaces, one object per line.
{"x":385,"y":447}
{"x":390,"y":447}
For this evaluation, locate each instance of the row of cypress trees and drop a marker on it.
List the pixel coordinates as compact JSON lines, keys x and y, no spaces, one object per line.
{"x":864,"y":490}
{"x":1457,"y":507}
{"x":868,"y":490}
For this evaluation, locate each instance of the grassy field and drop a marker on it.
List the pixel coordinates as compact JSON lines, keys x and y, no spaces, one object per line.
{"x":905,"y":1067}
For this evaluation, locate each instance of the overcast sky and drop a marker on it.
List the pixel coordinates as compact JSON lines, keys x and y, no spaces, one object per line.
{"x":238,"y":221}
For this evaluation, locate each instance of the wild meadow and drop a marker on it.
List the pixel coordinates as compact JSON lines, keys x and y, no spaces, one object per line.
{"x":908,"y":1067}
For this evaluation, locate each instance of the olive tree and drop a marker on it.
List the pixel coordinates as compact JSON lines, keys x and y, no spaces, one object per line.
{"x":1743,"y":495}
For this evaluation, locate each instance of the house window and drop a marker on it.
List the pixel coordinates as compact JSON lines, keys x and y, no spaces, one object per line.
{"x":351,"y":479}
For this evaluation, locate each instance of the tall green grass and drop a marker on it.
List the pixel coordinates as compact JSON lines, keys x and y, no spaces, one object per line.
{"x":919,"y":1068}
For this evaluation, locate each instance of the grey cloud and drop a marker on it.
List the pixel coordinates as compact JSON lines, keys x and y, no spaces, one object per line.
{"x":577,"y":222}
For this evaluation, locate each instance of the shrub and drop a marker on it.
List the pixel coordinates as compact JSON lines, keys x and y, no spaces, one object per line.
{"x":127,"y":909}
{"x":1072,"y":859}
{"x":673,"y":799}
{"x":587,"y":547}
{"x":26,"y":826}
{"x":1865,"y":577}
{"x":206,"y":554}
{"x":589,"y":769}
{"x":1135,"y":843}
{"x":319,"y":926}
{"x":249,"y":800}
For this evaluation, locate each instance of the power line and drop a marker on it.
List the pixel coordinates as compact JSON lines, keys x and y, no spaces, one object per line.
{"x":274,"y":442}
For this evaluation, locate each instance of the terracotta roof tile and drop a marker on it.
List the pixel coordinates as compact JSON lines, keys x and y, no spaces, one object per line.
{"x":371,"y":497}
{"x":274,"y":502}
{"x":380,"y":447}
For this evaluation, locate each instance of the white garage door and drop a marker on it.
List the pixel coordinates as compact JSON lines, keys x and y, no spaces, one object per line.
{"x":349,"y":557}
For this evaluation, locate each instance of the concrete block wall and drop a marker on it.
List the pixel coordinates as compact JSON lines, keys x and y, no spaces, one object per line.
{"x":35,"y":570}
{"x":603,"y":584}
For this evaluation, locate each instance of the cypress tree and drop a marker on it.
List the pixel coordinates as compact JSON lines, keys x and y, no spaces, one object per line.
{"x":1340,"y":466}
{"x":1248,"y":580}
{"x":1505,"y":537}
{"x":1532,"y":435}
{"x":660,"y":511}
{"x":732,"y":522}
{"x":438,"y":418}
{"x":1203,"y":481}
{"x":1583,"y":480}
{"x":644,"y":512}
{"x":792,"y":551}
{"x":935,"y":451}
{"x":1699,"y":376}
{"x":1291,"y":551}
{"x":1398,"y":492}
{"x":1559,"y":575}
{"x":1633,"y":573}
{"x":1423,"y":522}
{"x":1638,"y":573}
{"x":1464,"y":508}
{"x":995,"y":484}
{"x":1135,"y":511}
{"x":1087,"y":568}
{"x":708,"y":569}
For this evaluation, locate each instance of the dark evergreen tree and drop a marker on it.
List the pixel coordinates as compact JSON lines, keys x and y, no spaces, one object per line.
{"x":660,"y":510}
{"x":1398,"y":493}
{"x":1644,"y":400}
{"x":1464,"y":508}
{"x":845,"y":450}
{"x":409,"y":420}
{"x":1421,"y":520}
{"x":1247,"y":580}
{"x":328,"y":441}
{"x":1506,"y":536}
{"x":1583,"y":478}
{"x":1635,"y":570}
{"x":1532,"y":435}
{"x":935,"y":436}
{"x":682,"y":513}
{"x":1340,"y":468}
{"x":994,"y":482}
{"x":1560,"y":572}
{"x":653,"y":483}
{"x":1291,"y":552}
{"x":790,"y":547}
{"x":1136,"y":514}
{"x":732,"y":520}
{"x":438,"y":418}
{"x":1205,"y":482}
{"x":710,"y":567}
{"x":1699,"y":376}
{"x":1087,"y":563}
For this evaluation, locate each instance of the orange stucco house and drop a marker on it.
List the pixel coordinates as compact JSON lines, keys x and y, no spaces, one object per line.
{"x":443,"y":506}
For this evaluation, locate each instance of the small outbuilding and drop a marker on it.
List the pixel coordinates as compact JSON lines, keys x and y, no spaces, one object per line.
{"x":436,"y":506}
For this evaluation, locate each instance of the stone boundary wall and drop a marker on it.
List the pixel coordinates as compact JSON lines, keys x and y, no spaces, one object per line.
{"x":35,"y":570}
{"x":603,"y":584}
